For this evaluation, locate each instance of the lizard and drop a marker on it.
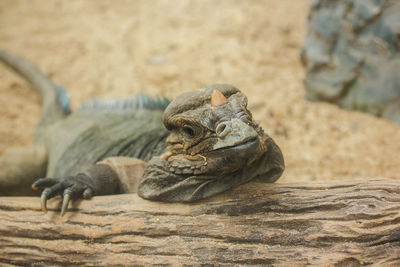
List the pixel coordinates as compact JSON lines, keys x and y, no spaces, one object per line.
{"x":202,"y":143}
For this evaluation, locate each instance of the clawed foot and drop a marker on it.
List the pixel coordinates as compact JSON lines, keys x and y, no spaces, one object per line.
{"x":69,"y":188}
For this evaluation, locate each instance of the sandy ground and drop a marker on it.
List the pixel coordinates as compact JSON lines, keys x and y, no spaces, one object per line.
{"x":120,"y":48}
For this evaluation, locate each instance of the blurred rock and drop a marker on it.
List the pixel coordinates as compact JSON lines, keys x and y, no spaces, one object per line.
{"x":352,"y":55}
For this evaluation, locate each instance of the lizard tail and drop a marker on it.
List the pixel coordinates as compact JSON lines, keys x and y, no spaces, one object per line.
{"x":54,"y":99}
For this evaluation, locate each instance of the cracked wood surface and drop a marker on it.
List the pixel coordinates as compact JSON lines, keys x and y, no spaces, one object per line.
{"x":346,"y":224}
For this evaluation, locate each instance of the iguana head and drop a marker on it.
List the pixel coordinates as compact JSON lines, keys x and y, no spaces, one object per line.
{"x":212,"y":131}
{"x":214,"y":142}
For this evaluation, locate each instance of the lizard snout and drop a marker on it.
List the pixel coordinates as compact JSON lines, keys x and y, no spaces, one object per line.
{"x":223,"y":129}
{"x":233,"y":132}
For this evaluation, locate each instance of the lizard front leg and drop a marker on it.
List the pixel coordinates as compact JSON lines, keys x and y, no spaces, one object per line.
{"x":111,"y":176}
{"x":99,"y":179}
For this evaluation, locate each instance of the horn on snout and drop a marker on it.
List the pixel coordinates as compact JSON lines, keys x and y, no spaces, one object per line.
{"x":218,"y":99}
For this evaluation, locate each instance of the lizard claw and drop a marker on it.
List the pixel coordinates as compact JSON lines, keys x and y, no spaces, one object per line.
{"x":88,"y":193}
{"x":47,"y":193}
{"x":69,"y":188}
{"x":65,"y":202}
{"x":43,"y":202}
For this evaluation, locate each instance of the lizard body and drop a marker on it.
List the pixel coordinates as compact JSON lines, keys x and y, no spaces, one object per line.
{"x":203,"y":143}
{"x":104,"y":133}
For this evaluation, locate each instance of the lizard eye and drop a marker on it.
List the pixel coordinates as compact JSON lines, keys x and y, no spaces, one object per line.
{"x":188,"y":131}
{"x":192,"y":132}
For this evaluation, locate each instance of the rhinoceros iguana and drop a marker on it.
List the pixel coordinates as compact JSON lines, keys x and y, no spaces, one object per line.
{"x":200,"y":144}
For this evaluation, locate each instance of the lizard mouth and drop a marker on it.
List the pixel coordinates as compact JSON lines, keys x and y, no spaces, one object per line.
{"x":245,"y":144}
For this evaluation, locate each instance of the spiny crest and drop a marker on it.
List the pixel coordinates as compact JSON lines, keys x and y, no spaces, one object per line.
{"x":141,"y":101}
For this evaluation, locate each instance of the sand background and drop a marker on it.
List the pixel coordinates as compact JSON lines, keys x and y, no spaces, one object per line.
{"x":113,"y":49}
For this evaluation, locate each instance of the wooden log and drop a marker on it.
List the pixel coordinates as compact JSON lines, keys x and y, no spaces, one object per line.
{"x":346,"y":224}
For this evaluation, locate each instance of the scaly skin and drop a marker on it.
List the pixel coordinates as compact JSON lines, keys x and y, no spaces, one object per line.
{"x":205,"y":142}
{"x":62,"y":139}
{"x":213,"y":145}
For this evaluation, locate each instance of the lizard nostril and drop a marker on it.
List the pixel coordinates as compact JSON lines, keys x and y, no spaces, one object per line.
{"x":222,"y":129}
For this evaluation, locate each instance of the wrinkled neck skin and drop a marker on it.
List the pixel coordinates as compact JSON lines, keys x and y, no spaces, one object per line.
{"x":214,"y":144}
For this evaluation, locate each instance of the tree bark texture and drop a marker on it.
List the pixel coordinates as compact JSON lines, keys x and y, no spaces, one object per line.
{"x":345,"y":224}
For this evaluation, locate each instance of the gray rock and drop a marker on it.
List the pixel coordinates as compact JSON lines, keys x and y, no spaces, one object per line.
{"x":352,"y":55}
